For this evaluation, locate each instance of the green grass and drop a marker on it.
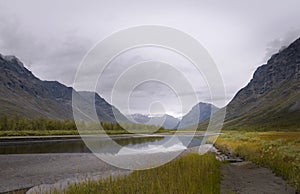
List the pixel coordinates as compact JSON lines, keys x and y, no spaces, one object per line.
{"x":37,"y":132}
{"x":192,"y":173}
{"x":64,"y":132}
{"x":53,"y":132}
{"x":279,"y":151}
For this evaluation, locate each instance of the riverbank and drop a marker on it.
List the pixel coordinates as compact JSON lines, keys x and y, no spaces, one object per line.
{"x":20,"y":171}
{"x":277,"y":151}
{"x":33,"y":133}
{"x":66,"y":137}
{"x":55,"y":170}
{"x":45,"y":172}
{"x":12,"y":139}
{"x":189,"y":173}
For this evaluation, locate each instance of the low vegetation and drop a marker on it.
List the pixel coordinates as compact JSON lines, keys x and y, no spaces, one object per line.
{"x":190,"y":174}
{"x":279,"y":151}
{"x":20,"y":126}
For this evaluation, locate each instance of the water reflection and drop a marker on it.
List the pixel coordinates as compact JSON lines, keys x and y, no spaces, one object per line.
{"x":149,"y":144}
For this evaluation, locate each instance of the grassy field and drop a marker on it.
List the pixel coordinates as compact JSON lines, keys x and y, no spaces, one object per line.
{"x":279,"y":151}
{"x":192,"y":173}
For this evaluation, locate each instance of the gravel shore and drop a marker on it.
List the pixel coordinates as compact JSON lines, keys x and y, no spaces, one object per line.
{"x":20,"y":171}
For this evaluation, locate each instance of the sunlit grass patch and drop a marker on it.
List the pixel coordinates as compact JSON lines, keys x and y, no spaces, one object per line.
{"x":190,"y":174}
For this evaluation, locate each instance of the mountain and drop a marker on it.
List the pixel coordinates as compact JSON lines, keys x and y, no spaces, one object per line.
{"x":166,"y":121}
{"x":25,"y":95}
{"x":272,"y":97}
{"x":199,"y":113}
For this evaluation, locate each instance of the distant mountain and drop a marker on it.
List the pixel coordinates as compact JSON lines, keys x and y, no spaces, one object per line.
{"x":25,"y":95}
{"x":166,"y":121}
{"x":198,"y":114}
{"x":272,"y":97}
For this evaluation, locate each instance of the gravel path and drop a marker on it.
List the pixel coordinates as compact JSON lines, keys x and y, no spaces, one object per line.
{"x":246,"y":178}
{"x":28,"y":170}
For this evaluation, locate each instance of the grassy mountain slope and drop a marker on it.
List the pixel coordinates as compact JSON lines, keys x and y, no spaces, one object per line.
{"x":25,"y":95}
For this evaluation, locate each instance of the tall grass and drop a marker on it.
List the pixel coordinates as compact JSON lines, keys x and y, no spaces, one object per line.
{"x":279,"y":151}
{"x":190,"y":174}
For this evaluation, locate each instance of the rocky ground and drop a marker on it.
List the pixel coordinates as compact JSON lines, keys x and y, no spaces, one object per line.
{"x":28,"y":170}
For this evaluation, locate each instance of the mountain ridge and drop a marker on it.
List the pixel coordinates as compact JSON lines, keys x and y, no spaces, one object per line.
{"x":199,"y":113}
{"x":26,"y":95}
{"x":272,"y":97}
{"x":166,"y":121}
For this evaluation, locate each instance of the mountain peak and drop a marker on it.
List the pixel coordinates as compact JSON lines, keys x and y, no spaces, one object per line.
{"x":288,"y":55}
{"x":12,"y":59}
{"x":199,"y":113}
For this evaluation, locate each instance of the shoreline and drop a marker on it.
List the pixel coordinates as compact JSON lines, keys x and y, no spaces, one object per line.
{"x":114,"y":136}
{"x":85,"y":166}
{"x":29,"y":170}
{"x":26,"y":171}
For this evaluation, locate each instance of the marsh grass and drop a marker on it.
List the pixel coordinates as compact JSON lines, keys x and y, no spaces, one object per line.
{"x":279,"y":151}
{"x":192,"y":173}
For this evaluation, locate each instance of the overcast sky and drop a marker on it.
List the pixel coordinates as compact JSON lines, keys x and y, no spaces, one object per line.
{"x":52,"y":36}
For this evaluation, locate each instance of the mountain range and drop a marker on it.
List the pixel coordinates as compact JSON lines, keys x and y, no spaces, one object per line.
{"x":25,"y":95}
{"x":166,"y":121}
{"x":270,"y":100}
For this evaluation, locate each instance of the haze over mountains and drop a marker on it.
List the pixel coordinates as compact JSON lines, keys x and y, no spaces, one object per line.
{"x":167,"y":121}
{"x":199,"y":113}
{"x":271,"y":98}
{"x":25,"y":95}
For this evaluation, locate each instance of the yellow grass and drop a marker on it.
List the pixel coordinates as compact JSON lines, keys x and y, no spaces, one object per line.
{"x":279,"y":151}
{"x":190,"y":174}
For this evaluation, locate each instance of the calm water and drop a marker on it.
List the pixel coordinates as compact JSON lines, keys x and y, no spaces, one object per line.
{"x":78,"y":146}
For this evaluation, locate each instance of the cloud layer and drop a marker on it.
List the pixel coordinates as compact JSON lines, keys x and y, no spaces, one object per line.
{"x":52,"y":37}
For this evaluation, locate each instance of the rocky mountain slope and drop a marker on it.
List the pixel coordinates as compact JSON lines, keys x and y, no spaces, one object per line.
{"x":272,"y":97}
{"x":25,"y":95}
{"x":199,"y":113}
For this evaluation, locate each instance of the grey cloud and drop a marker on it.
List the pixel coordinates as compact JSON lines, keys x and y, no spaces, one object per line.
{"x":54,"y":59}
{"x":51,"y":37}
{"x":280,"y":43}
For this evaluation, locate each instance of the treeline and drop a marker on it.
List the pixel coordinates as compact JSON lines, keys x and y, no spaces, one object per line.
{"x":132,"y":127}
{"x":17,"y":123}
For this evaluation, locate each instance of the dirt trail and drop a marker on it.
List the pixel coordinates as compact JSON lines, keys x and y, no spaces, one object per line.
{"x":246,"y":178}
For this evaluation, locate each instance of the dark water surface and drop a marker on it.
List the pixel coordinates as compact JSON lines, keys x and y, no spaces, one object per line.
{"x":77,"y":145}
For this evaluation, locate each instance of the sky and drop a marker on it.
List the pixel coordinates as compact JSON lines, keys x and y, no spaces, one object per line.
{"x":52,"y":37}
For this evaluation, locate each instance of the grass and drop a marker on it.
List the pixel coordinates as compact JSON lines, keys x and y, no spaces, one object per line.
{"x":37,"y":132}
{"x":192,"y":173}
{"x":279,"y":151}
{"x":64,"y":132}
